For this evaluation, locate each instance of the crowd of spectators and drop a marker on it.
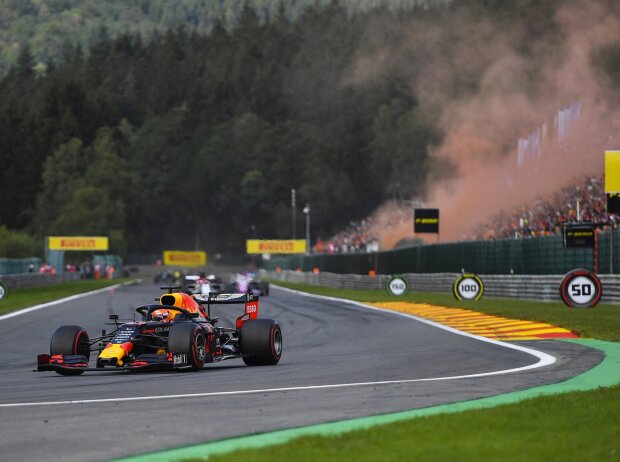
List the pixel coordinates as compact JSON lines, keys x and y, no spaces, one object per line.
{"x":584,"y":201}
{"x":357,"y":237}
{"x":363,"y":235}
{"x":87,"y":270}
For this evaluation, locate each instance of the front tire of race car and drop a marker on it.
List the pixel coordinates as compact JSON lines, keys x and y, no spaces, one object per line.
{"x":70,"y":340}
{"x":190,"y":340}
{"x":261,"y":342}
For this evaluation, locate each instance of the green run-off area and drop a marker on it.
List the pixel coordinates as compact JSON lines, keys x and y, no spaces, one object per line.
{"x":576,"y":426}
{"x":573,"y":426}
{"x":23,"y":298}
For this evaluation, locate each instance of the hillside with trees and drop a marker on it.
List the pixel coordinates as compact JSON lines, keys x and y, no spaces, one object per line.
{"x":190,"y":139}
{"x":47,"y":26}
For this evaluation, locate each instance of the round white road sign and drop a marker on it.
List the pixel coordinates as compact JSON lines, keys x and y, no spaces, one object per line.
{"x":397,"y":285}
{"x":581,"y":288}
{"x":3,"y":291}
{"x":468,"y":286}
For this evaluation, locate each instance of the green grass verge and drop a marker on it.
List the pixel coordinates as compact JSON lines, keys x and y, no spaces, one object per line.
{"x":573,"y":426}
{"x":600,"y":322}
{"x":24,"y":298}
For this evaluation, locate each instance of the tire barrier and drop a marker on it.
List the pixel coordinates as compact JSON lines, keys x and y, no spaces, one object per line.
{"x":525,"y":287}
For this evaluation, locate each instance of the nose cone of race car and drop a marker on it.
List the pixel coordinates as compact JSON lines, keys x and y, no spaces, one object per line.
{"x":114,"y":353}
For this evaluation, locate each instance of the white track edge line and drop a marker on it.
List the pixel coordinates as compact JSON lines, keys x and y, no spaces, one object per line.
{"x":544,"y":359}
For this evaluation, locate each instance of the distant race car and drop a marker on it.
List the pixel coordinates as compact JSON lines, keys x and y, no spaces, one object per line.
{"x":249,"y":284}
{"x":201,"y":284}
{"x":178,"y":333}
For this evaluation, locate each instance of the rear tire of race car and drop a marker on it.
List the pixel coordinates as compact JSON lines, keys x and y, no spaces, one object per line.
{"x":261,"y":342}
{"x":70,"y":340}
{"x":191,"y":340}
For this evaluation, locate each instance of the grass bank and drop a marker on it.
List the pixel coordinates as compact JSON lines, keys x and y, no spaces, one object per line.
{"x":601,"y":322}
{"x":574,"y":426}
{"x":23,"y":298}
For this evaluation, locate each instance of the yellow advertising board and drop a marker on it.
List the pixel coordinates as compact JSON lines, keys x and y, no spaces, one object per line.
{"x":184,"y":258}
{"x":276,"y":246}
{"x":78,"y":243}
{"x":612,"y":171}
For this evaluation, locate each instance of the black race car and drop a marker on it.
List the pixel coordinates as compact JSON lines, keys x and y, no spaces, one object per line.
{"x":178,"y":333}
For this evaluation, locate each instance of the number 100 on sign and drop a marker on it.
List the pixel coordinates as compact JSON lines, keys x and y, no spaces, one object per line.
{"x":468,"y":287}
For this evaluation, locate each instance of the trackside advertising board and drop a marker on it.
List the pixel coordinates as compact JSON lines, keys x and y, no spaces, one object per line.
{"x":184,"y":258}
{"x":612,"y":181}
{"x":77,"y":243}
{"x":257,"y":246}
{"x":578,"y":235}
{"x":612,"y":171}
{"x":426,"y":221}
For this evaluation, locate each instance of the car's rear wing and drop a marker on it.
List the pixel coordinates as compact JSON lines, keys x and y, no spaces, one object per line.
{"x":224,"y":299}
{"x":250,"y":301}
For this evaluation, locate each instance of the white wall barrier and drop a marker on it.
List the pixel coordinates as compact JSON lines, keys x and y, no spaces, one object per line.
{"x":527,"y":287}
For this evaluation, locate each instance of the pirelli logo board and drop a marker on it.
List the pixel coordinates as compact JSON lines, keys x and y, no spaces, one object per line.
{"x":77,"y":243}
{"x":256,"y":246}
{"x":184,"y":258}
{"x":426,"y":221}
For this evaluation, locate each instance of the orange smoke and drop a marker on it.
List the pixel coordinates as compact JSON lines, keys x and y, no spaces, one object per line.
{"x":482,"y":128}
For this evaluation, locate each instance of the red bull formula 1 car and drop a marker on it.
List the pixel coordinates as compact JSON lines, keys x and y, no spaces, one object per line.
{"x":178,"y":333}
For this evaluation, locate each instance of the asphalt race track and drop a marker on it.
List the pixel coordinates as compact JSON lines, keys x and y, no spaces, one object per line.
{"x":325,"y":343}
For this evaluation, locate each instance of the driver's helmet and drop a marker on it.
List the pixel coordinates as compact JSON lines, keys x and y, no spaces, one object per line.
{"x":164,"y":315}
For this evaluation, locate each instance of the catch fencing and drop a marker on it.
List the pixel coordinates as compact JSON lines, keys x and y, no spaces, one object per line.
{"x":526,"y":287}
{"x":540,"y":255}
{"x":26,"y":280}
{"x":19,"y":265}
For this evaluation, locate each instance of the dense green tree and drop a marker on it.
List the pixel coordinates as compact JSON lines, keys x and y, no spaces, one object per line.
{"x":191,"y":127}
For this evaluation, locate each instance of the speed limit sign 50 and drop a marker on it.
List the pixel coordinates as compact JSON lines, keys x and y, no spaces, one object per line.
{"x":581,"y":288}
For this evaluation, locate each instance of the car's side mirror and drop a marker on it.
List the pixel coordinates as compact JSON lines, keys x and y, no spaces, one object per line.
{"x":114,"y":317}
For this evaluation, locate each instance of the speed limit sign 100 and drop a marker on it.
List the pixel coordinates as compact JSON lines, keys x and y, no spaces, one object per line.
{"x":581,"y":288}
{"x":468,"y":286}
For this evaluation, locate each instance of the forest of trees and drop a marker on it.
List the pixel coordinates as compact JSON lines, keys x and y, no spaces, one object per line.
{"x":188,"y":139}
{"x":47,"y":25}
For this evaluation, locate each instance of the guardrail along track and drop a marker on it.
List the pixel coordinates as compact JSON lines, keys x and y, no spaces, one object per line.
{"x":527,"y":287}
